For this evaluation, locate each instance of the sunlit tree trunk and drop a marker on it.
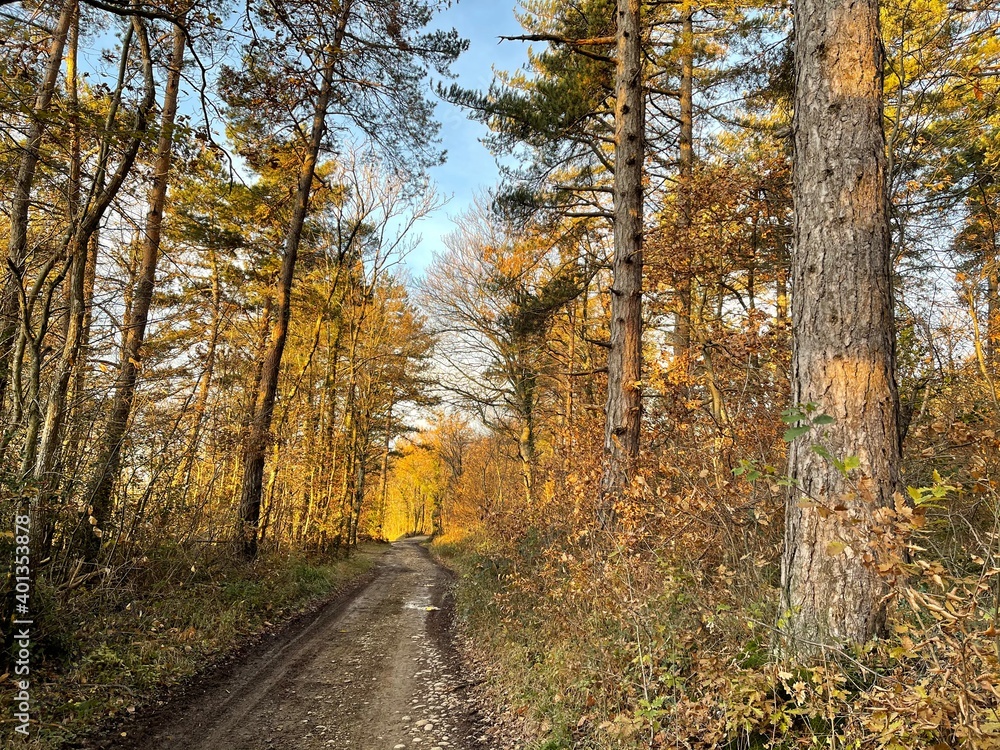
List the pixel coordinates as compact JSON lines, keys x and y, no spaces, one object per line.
{"x":623,"y":410}
{"x":843,"y":335}
{"x":384,"y":479}
{"x":255,"y":447}
{"x":78,"y":402}
{"x":109,"y":454}
{"x":17,"y":244}
{"x":204,"y":382}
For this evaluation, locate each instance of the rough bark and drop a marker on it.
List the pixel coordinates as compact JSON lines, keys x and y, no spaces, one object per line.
{"x":843,"y":335}
{"x":524,"y":390}
{"x":623,"y":410}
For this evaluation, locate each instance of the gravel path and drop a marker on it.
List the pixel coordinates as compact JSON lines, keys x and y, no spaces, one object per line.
{"x":373,"y":671}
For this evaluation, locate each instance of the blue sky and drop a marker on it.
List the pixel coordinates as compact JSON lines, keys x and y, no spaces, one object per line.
{"x":470,"y":167}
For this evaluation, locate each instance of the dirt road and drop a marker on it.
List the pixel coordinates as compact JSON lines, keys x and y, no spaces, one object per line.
{"x":375,"y":671}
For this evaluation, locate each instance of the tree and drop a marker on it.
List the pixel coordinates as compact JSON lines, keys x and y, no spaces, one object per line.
{"x":17,"y":245}
{"x":623,"y":412}
{"x":99,"y":493}
{"x":494,"y":299}
{"x":367,"y":61}
{"x":843,"y":331}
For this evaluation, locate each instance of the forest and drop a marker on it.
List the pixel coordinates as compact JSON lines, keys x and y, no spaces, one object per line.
{"x":698,"y":403}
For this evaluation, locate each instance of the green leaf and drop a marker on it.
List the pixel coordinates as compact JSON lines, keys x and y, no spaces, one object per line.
{"x":792,"y":415}
{"x":822,"y":452}
{"x":915,"y":494}
{"x":823,"y":419}
{"x":851,"y":463}
{"x":794,"y":432}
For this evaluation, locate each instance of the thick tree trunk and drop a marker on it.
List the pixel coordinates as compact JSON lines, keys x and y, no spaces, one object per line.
{"x":109,"y":456}
{"x":623,"y":411}
{"x":79,"y":404}
{"x":842,"y":317}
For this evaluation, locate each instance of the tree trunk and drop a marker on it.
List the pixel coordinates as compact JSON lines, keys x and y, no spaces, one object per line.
{"x":992,"y":312}
{"x":623,"y":411}
{"x":109,"y":461}
{"x":87,"y":220}
{"x":78,"y":402}
{"x":204,"y":388}
{"x":682,"y":334}
{"x":991,"y":270}
{"x":526,"y":447}
{"x":384,"y":486}
{"x":17,"y":245}
{"x":255,"y":449}
{"x":843,"y":335}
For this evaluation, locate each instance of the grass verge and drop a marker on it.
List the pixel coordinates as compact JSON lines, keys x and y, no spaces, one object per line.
{"x":106,"y":651}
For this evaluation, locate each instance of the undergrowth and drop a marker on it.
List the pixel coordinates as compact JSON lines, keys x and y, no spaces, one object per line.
{"x":103,"y":651}
{"x":663,"y":636}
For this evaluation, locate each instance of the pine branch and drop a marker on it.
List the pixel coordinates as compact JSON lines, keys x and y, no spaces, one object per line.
{"x":576,"y":45}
